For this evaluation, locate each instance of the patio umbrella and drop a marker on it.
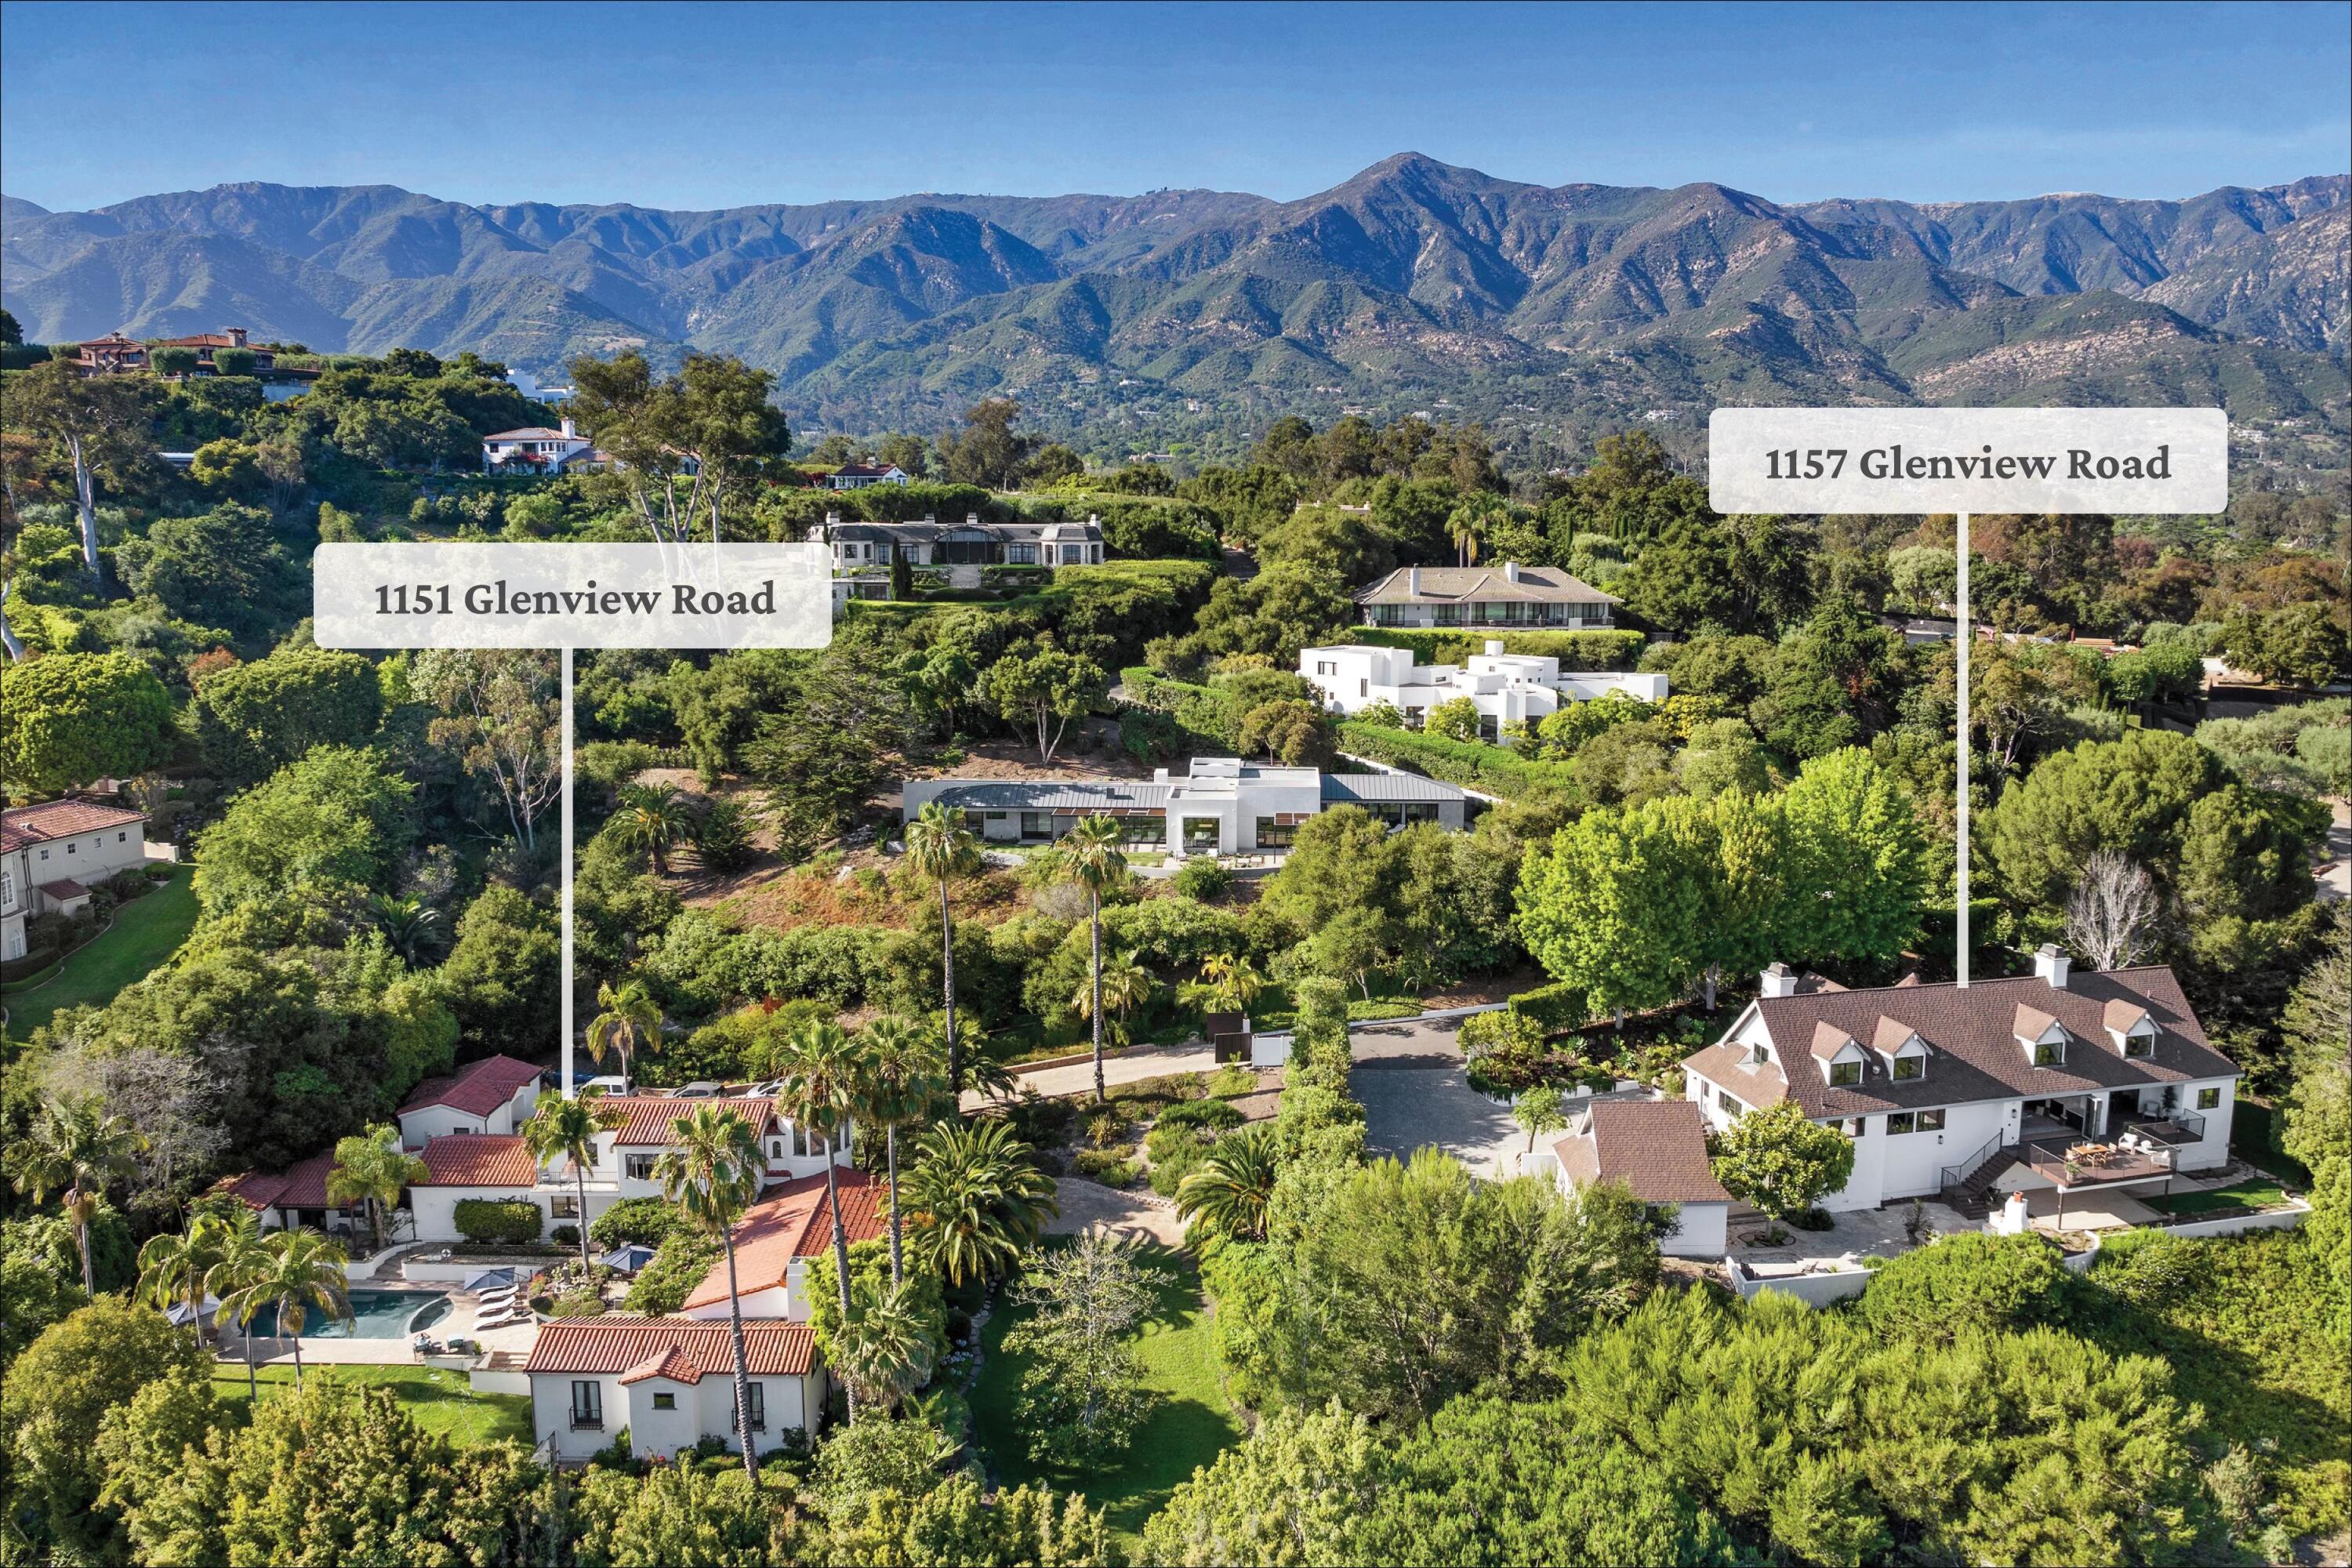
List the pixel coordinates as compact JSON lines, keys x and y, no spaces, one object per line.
{"x":489,"y":1278}
{"x":179,"y":1315}
{"x":627,"y":1259}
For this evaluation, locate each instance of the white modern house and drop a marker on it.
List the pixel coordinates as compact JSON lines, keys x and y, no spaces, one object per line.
{"x":500,"y":1167}
{"x":1656,"y":1148}
{"x":669,"y":1383}
{"x":52,"y":853}
{"x":1508,"y":688}
{"x":1468,"y":597}
{"x":493,"y":1095}
{"x":860,"y":547}
{"x":2054,"y":1081}
{"x":1222,"y":805}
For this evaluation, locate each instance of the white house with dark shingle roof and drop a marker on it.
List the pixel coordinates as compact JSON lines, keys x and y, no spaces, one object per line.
{"x":1656,"y":1148}
{"x":2054,"y":1079}
{"x":1504,"y":594}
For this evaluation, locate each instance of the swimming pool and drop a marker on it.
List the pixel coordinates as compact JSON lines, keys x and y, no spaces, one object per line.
{"x":375,"y":1315}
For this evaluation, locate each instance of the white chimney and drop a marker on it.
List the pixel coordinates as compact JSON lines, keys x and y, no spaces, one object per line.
{"x":1412,"y":580}
{"x":1494,"y":647}
{"x":833,"y":519}
{"x":567,"y":427}
{"x":1779,"y":980}
{"x":971,"y":520}
{"x":1511,"y":571}
{"x":2052,"y":962}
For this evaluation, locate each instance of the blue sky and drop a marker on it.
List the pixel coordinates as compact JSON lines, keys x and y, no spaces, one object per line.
{"x":689,"y":106}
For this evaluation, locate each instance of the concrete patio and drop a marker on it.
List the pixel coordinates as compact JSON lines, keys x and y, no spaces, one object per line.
{"x":1852,"y":1237}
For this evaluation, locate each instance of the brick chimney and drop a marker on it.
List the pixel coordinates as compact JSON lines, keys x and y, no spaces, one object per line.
{"x":2052,"y":962}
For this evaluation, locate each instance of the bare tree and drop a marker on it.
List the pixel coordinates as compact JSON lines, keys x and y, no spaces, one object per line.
{"x":2111,"y":915}
{"x":174,"y":1100}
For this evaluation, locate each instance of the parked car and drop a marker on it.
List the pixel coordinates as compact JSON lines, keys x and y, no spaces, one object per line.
{"x":606,"y":1083}
{"x":702,"y":1088}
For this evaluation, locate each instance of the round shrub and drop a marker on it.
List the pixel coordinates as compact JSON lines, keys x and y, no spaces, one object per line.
{"x":640,"y":1222}
{"x":1964,"y":1282}
{"x":498,"y":1219}
{"x":1214,"y":1115}
{"x":1203,"y":879}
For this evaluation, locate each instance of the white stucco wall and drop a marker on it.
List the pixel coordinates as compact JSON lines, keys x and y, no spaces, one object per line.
{"x":704,"y":1408}
{"x":1700,"y":1231}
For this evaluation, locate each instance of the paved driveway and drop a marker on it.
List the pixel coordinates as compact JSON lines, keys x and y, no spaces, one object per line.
{"x":1409,"y":1077}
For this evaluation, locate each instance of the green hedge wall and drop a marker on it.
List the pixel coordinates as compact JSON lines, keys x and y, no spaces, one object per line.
{"x":1473,"y":765}
{"x":498,"y":1219}
{"x":1575,"y":650}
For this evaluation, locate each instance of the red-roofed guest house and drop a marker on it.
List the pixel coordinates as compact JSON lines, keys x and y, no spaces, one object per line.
{"x":493,"y":1095}
{"x":671,"y":1383}
{"x":776,"y":1238}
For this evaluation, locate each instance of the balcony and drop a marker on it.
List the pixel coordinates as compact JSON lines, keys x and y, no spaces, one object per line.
{"x":2075,"y":1163}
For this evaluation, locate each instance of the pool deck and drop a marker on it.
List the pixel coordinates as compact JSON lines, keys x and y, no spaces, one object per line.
{"x":336,"y":1349}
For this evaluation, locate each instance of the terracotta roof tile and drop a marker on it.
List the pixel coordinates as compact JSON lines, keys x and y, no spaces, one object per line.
{"x":1972,"y":1052}
{"x":794,"y":1223}
{"x":23,"y":825}
{"x":646,"y":1120}
{"x":607,"y":1345}
{"x":1656,"y":1147}
{"x":478,"y":1088}
{"x":479,"y":1160}
{"x":301,"y":1186}
{"x":671,"y":1362}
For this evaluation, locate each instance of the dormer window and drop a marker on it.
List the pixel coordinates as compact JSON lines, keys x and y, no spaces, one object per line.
{"x":1910,"y":1067}
{"x":2130,"y":1028}
{"x":2042,"y":1038}
{"x":2049,"y":1053}
{"x":1845,"y":1075}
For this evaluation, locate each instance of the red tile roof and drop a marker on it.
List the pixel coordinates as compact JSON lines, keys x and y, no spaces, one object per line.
{"x":302,"y":1185}
{"x":609,"y":1345}
{"x":646,"y":1120}
{"x":791,"y":1224}
{"x":672,"y":1363}
{"x":65,"y":889}
{"x":1656,"y":1147}
{"x":479,"y":1160}
{"x":478,"y":1088}
{"x":1972,"y":1039}
{"x":23,"y":825}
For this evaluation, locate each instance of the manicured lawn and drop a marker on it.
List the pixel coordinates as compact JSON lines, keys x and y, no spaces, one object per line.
{"x":1189,"y":1426}
{"x":440,"y":1400}
{"x":145,"y":932}
{"x":2250,"y":1194}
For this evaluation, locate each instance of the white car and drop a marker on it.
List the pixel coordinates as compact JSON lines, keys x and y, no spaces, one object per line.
{"x":607,"y":1083}
{"x":701,"y":1090}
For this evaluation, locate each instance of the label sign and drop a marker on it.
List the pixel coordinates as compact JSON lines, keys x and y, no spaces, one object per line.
{"x":572,"y":595}
{"x":1968,"y":459}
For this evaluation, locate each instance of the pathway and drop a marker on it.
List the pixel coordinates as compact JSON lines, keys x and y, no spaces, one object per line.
{"x":1129,"y":1067}
{"x":1142,"y":1216}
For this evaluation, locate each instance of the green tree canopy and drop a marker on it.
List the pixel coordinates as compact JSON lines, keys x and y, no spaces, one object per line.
{"x":251,"y":720}
{"x":70,"y":718}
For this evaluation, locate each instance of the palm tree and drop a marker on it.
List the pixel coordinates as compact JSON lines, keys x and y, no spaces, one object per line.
{"x":1227,"y":1193}
{"x":1089,"y":856}
{"x":939,"y":845}
{"x":651,"y":818}
{"x":243,"y":1255}
{"x":976,"y":1198}
{"x":712,"y":1170}
{"x":1120,"y":986}
{"x":824,"y":1072}
{"x":407,"y":923}
{"x":172,"y":1267}
{"x":631,"y":1021}
{"x":899,"y":1079}
{"x":294,"y":1271}
{"x":562,"y":1129}
{"x":1237,"y":983}
{"x":886,"y":1352}
{"x":373,"y":1168}
{"x":1468,"y":524}
{"x":77,"y":1147}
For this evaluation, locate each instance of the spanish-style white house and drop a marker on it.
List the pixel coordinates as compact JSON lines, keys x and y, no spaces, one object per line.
{"x":671,"y":1383}
{"x":500,"y":1167}
{"x":52,"y":853}
{"x":536,"y":447}
{"x":778,"y":1236}
{"x":1468,"y":597}
{"x":294,"y":1196}
{"x":2054,"y":1079}
{"x":493,"y":1095}
{"x":1656,"y":1148}
{"x":1222,"y":805}
{"x":1508,"y":688}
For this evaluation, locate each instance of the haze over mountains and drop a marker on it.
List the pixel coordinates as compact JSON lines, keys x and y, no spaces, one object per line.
{"x":1413,"y":283}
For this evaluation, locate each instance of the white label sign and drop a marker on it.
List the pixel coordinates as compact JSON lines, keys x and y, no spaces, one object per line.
{"x":1968,"y":459}
{"x":694,"y":595}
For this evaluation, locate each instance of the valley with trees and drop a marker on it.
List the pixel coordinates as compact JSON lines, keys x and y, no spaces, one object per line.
{"x":1321,"y":1353}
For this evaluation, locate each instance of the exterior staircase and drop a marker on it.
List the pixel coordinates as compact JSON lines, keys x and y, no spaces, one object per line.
{"x":1968,"y":1187}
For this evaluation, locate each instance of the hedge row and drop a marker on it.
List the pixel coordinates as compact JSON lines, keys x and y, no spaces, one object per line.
{"x":498,"y":1219}
{"x":1555,"y":1008}
{"x":1575,"y":650}
{"x":1473,"y":765}
{"x":1205,"y":713}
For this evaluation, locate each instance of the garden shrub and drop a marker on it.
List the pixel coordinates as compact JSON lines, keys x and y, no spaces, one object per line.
{"x":642,"y":1222}
{"x":564,"y":1235}
{"x":1965,"y":1282}
{"x":1553,"y":1008}
{"x":1214,"y":1115}
{"x":498,"y":1219}
{"x":1107,"y":1166}
{"x":1232,"y":1080}
{"x":1473,"y":765}
{"x":1203,"y":879}
{"x":678,"y":1265}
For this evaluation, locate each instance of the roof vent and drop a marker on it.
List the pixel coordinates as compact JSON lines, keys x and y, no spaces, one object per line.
{"x":971,"y":520}
{"x":2052,"y":962}
{"x":1494,"y":647}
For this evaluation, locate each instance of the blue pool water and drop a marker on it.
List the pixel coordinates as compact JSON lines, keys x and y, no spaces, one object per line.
{"x":375,"y":1315}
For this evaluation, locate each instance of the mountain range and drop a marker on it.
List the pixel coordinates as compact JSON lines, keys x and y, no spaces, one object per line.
{"x":1416,"y":283}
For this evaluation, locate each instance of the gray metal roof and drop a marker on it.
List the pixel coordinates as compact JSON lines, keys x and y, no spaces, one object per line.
{"x":1053,"y":795}
{"x":1383,"y":788}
